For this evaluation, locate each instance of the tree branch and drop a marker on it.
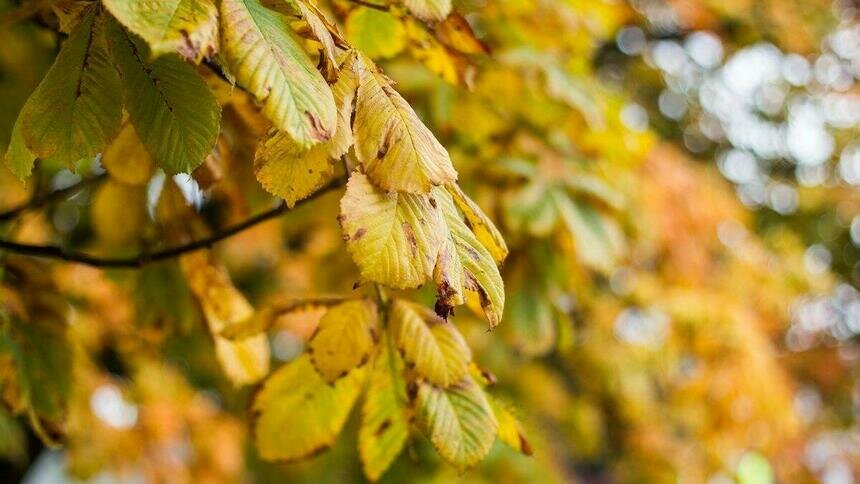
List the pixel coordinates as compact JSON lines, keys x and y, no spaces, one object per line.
{"x":375,"y":6}
{"x":47,"y":198}
{"x":57,"y":252}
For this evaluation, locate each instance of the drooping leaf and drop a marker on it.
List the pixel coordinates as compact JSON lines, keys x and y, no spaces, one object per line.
{"x":189,"y":27}
{"x":297,"y":414}
{"x":397,"y":151}
{"x":378,"y":35}
{"x":598,"y":239}
{"x":77,"y":107}
{"x":510,"y":429}
{"x":118,"y":213}
{"x":384,"y":425}
{"x":429,"y":9}
{"x":18,"y":157}
{"x":286,"y":170}
{"x":456,"y":33}
{"x":325,"y":33}
{"x":345,"y":339}
{"x":458,"y":420}
{"x":268,"y":59}
{"x":244,"y":361}
{"x":433,"y":345}
{"x":126,"y":159}
{"x":481,"y":225}
{"x":393,"y":237}
{"x":173,"y":112}
{"x":466,"y":265}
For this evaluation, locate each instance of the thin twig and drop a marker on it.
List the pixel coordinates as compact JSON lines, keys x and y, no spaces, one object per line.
{"x":57,"y":252}
{"x":375,"y":6}
{"x":47,"y":198}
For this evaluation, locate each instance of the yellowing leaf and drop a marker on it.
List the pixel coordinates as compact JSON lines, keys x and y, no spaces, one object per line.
{"x":376,"y":34}
{"x":345,"y":338}
{"x":393,"y":237}
{"x":324,"y":32}
{"x":458,"y":420}
{"x":189,"y":27}
{"x":118,"y":213}
{"x":429,"y":9}
{"x":18,"y":157}
{"x":297,"y":414}
{"x":173,"y":111}
{"x":510,"y":430}
{"x":456,"y":33}
{"x":77,"y":107}
{"x":244,"y":361}
{"x":126,"y":159}
{"x":286,"y":170}
{"x":481,"y":225}
{"x":384,"y":425}
{"x":466,"y":265}
{"x":397,"y":151}
{"x":433,"y":345}
{"x":268,"y":59}
{"x":292,"y":173}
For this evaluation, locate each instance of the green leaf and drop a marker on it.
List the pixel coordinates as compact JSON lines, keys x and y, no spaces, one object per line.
{"x":18,"y":158}
{"x":172,"y":109}
{"x":458,"y":420}
{"x":430,"y":10}
{"x":599,"y":241}
{"x":384,"y":424}
{"x":397,"y":151}
{"x":297,"y":414}
{"x":77,"y":107}
{"x":434,"y":346}
{"x":188,"y":27}
{"x":393,"y":237}
{"x":345,"y":338}
{"x":376,"y":34}
{"x":267,"y":59}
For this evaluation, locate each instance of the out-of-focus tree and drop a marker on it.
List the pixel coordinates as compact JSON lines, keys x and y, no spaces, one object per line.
{"x":265,"y":240}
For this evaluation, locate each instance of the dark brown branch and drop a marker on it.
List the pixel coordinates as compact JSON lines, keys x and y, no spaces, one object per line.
{"x":376,"y":6}
{"x":57,"y":252}
{"x":47,"y":198}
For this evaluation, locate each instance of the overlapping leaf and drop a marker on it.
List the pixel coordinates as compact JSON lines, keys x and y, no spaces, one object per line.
{"x":384,"y":424}
{"x":267,"y":58}
{"x":435,"y":347}
{"x":397,"y":151}
{"x":189,"y":27}
{"x":173,"y":111}
{"x":458,"y":420}
{"x":298,"y":414}
{"x":126,"y":159}
{"x":394,"y":238}
{"x":345,"y":339}
{"x":76,"y":108}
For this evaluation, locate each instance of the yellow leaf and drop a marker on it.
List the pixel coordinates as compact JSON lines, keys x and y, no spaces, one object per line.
{"x":189,"y":27}
{"x":345,"y":338}
{"x":433,"y":345}
{"x":456,"y":33}
{"x":286,"y":170}
{"x":118,"y":213}
{"x":429,"y":10}
{"x":466,"y":267}
{"x":396,"y":150}
{"x":324,"y":32}
{"x":384,"y":424}
{"x":394,"y":238}
{"x":244,"y":361}
{"x":297,"y":414}
{"x":458,"y":420}
{"x":268,"y":59}
{"x":481,"y":225}
{"x":376,"y":34}
{"x":510,"y":430}
{"x":126,"y":159}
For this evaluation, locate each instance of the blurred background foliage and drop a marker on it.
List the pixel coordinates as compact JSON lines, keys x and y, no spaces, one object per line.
{"x":677,"y":181}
